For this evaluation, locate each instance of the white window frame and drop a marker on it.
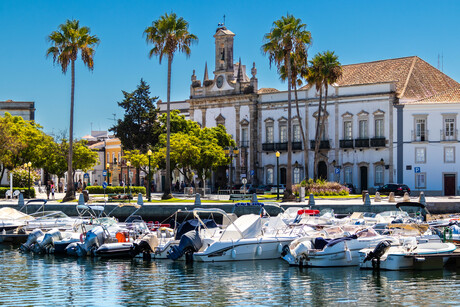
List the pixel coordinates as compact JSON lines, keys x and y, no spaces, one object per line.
{"x":421,"y":128}
{"x":348,"y":133}
{"x":348,"y":174}
{"x":363,"y":128}
{"x":379,"y":175}
{"x":420,"y":180}
{"x":283,"y":137}
{"x":297,"y":172}
{"x":269,"y":133}
{"x":269,"y":175}
{"x":379,"y":128}
{"x":445,"y":154}
{"x":296,"y":133}
{"x":417,"y":158}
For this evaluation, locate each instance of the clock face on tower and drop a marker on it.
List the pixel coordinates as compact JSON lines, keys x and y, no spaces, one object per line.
{"x":220,"y":81}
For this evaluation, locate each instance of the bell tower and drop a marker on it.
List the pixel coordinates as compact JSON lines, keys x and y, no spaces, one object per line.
{"x":224,"y":52}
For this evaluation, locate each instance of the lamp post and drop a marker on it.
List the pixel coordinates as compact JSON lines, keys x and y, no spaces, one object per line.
{"x":277,"y":175}
{"x":149,"y":154}
{"x":108,"y":173}
{"x":230,"y":152}
{"x":25,"y":166}
{"x":129,"y":186}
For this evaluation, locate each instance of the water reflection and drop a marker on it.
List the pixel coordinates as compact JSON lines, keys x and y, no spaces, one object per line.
{"x":45,"y":280}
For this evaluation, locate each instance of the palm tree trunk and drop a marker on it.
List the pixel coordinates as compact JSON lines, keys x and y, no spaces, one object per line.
{"x":288,"y":193}
{"x":305,"y":147}
{"x":167,"y":191}
{"x":317,"y":135}
{"x":70,"y":188}
{"x":323,"y":120}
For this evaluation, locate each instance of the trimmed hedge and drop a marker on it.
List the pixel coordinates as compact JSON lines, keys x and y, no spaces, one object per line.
{"x":4,"y":189}
{"x":97,"y":189}
{"x":322,"y":188}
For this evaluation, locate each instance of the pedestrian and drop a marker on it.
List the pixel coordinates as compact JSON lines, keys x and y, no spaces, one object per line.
{"x":95,"y":182}
{"x":52,"y":189}
{"x":177,"y":185}
{"x":60,"y":186}
{"x":182,"y":186}
{"x":80,"y":185}
{"x":48,"y":189}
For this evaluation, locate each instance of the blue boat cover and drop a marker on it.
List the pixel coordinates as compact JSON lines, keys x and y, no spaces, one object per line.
{"x":338,"y":240}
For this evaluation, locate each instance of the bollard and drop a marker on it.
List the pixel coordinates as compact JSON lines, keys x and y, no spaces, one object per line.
{"x":81,"y":199}
{"x":311,"y":200}
{"x":140,"y":200}
{"x":20,"y":200}
{"x":302,"y":194}
{"x":197,"y":199}
{"x":377,"y":197}
{"x":421,"y":198}
{"x":254,"y":198}
{"x":406,"y":197}
{"x":391,"y":197}
{"x":367,"y":200}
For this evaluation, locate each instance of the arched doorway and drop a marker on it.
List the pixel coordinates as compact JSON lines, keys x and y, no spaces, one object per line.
{"x":322,"y":170}
{"x":363,"y":173}
{"x":283,"y":175}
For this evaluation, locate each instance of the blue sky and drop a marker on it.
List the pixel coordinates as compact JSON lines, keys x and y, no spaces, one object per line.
{"x":358,"y":31}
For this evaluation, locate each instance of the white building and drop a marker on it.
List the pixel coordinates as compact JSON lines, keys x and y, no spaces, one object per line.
{"x":372,"y":113}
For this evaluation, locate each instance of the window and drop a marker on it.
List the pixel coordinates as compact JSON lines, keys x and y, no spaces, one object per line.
{"x":296,"y":174}
{"x":420,"y":155}
{"x":296,"y":132}
{"x":113,"y":158}
{"x":379,"y":175}
{"x":449,"y":128}
{"x":449,"y":154}
{"x":379,"y":128}
{"x":119,"y":158}
{"x":244,"y":137}
{"x":420,"y":180}
{"x":420,"y":129}
{"x":347,"y":130}
{"x":348,"y":174}
{"x":269,"y":175}
{"x":283,"y":134}
{"x":363,"y":129}
{"x":269,"y":134}
{"x":108,"y":158}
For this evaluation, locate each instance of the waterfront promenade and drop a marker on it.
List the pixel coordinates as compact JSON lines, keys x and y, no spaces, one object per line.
{"x":159,"y":211}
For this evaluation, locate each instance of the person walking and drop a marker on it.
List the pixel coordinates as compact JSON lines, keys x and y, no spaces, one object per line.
{"x":52,"y":188}
{"x":48,"y":189}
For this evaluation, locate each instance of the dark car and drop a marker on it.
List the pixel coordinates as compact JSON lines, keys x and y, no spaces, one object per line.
{"x":397,"y":188}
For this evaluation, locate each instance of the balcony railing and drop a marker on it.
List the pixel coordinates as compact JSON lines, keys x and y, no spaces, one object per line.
{"x":281,"y":146}
{"x":378,"y":142}
{"x":420,"y":136}
{"x":363,"y":142}
{"x":244,"y":143}
{"x":449,"y":135}
{"x":324,"y":144}
{"x":346,"y":143}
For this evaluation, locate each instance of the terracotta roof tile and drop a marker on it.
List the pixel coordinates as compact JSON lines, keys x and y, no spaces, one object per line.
{"x":449,"y":96}
{"x":267,"y":90}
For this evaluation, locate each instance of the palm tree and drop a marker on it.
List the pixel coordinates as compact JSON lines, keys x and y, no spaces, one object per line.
{"x":67,"y":43}
{"x":169,"y":34}
{"x":325,"y":69}
{"x":287,"y":35}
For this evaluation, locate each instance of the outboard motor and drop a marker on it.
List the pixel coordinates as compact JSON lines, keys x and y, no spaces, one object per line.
{"x":48,"y":241}
{"x":71,"y":249}
{"x":189,"y":243}
{"x":94,"y":238}
{"x":378,"y":251}
{"x":31,"y":240}
{"x":146,"y":246}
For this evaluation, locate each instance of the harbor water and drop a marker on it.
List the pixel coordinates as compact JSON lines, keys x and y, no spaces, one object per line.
{"x":31,"y":280}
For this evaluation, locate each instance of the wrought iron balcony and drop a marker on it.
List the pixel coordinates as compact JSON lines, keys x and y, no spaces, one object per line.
{"x":420,"y":136}
{"x":296,"y":145}
{"x":268,"y":146}
{"x":449,"y":135}
{"x":244,"y":143}
{"x":362,"y":142}
{"x":378,"y":142}
{"x":346,"y":143}
{"x":324,"y":144}
{"x":281,"y":146}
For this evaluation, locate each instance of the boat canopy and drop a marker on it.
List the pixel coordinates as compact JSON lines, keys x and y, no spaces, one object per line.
{"x":8,"y":213}
{"x":246,"y":226}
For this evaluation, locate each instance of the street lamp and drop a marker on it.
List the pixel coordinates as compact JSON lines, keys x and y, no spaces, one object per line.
{"x":230,"y":152}
{"x":149,"y":154}
{"x":129,"y":186}
{"x":25,"y":166}
{"x":108,"y":173}
{"x":277,"y":175}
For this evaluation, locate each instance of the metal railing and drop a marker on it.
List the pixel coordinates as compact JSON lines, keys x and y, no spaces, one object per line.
{"x":281,"y":146}
{"x":362,"y":142}
{"x":346,"y":143}
{"x":419,"y":136}
{"x":378,"y":142}
{"x":449,"y":135}
{"x":324,"y":144}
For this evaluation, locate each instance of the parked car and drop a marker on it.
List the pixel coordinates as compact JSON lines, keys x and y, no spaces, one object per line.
{"x":261,"y":189}
{"x":246,"y":188}
{"x":397,"y":188}
{"x":274,"y":189}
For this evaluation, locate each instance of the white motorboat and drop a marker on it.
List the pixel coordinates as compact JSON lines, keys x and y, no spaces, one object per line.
{"x":316,"y":251}
{"x":408,"y":255}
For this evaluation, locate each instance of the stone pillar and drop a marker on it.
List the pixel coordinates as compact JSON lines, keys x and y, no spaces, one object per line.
{"x":237,"y":140}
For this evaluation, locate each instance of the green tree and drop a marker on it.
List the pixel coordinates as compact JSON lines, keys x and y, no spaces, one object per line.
{"x":287,"y":36}
{"x":169,"y":34}
{"x":67,"y":43}
{"x":325,"y":69}
{"x":139,"y":128}
{"x":83,"y":157}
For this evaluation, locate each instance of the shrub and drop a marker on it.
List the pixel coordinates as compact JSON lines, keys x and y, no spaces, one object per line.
{"x":322,"y":188}
{"x":4,"y":189}
{"x":115,"y":190}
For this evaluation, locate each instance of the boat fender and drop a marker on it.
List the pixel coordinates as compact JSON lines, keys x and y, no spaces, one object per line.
{"x":348,"y":255}
{"x":259,"y":250}
{"x":280,"y":248}
{"x":82,"y":237}
{"x":233,"y":253}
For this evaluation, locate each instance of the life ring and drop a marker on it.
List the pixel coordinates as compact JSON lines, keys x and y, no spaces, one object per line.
{"x":82,"y":237}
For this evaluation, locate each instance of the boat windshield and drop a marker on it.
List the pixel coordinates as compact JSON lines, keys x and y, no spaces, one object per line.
{"x":393,"y":213}
{"x":45,"y":215}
